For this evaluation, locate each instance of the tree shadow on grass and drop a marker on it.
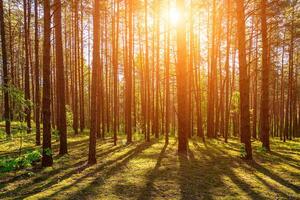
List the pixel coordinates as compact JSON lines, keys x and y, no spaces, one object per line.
{"x":193,"y":177}
{"x":107,"y":169}
{"x":272,"y":188}
{"x":243,"y":185}
{"x":288,"y":152}
{"x":199,"y":178}
{"x":38,"y":169}
{"x":274,"y":177}
{"x":267,"y":157}
{"x":55,"y":176}
{"x":259,"y":168}
{"x":153,"y":174}
{"x":288,"y":160}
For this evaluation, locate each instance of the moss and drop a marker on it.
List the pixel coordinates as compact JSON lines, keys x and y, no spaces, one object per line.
{"x":154,"y":171}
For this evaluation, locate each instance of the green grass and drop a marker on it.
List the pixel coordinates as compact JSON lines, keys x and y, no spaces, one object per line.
{"x":155,"y":171}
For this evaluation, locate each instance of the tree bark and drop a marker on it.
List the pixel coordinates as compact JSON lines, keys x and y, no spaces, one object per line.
{"x":27,"y":78}
{"x":181,"y":71}
{"x":47,"y":152}
{"x":60,"y":80}
{"x":264,"y":112}
{"x":96,"y":63}
{"x":128,"y":77}
{"x":5,"y":72}
{"x":243,"y":81}
{"x":37,"y":75}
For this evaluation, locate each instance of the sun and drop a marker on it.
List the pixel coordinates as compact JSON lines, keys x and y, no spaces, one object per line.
{"x":174,"y":16}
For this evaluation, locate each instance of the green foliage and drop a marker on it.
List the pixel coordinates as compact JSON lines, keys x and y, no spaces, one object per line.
{"x":7,"y":165}
{"x":48,"y":151}
{"x":33,"y":156}
{"x":20,"y":127}
{"x":55,"y":133}
{"x":235,"y":102}
{"x":26,"y":160}
{"x":17,"y":95}
{"x":243,"y":152}
{"x":261,"y":149}
{"x":69,"y":116}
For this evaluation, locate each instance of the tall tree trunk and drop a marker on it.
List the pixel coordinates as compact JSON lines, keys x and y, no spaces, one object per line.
{"x":82,"y":111}
{"x":128,"y":77}
{"x":147,"y":76}
{"x":5,"y":72}
{"x":282,"y":90}
{"x":96,"y":63}
{"x":181,"y":71}
{"x":76,"y":67}
{"x":243,"y":81}
{"x":157,"y":92}
{"x":37,"y":75}
{"x":254,"y":122}
{"x":47,"y":152}
{"x":211,"y":81}
{"x":60,"y":80}
{"x":27,"y":78}
{"x":264,"y":113}
{"x":167,"y":93}
{"x":115,"y":69}
{"x":12,"y":60}
{"x":190,"y":73}
{"x":227,"y":77}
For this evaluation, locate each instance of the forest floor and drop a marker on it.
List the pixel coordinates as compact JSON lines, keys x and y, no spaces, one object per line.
{"x":141,"y":170}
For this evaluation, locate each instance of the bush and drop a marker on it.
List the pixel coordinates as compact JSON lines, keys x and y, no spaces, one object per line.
{"x":26,"y":160}
{"x":243,"y":152}
{"x":261,"y":150}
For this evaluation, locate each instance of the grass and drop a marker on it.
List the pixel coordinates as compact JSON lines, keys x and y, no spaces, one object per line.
{"x":155,"y":171}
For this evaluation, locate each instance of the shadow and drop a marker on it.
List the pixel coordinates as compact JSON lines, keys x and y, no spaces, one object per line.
{"x":243,"y":185}
{"x":107,"y":169}
{"x":198,"y":179}
{"x":274,"y":189}
{"x":54,"y":176}
{"x":153,"y":174}
{"x":38,"y":169}
{"x":283,"y":157}
{"x":274,"y":177}
{"x":78,"y":146}
{"x":191,"y":176}
{"x":288,"y":152}
{"x":209,"y":171}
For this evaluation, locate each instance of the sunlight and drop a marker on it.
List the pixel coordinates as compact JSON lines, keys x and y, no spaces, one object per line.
{"x":174,"y":16}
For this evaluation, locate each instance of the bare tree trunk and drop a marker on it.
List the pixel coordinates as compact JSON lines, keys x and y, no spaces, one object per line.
{"x":264,"y":113}
{"x":147,"y":76}
{"x":82,"y":112}
{"x":76,"y":66}
{"x":96,"y":63}
{"x":47,"y":152}
{"x":243,"y":81}
{"x":115,"y":69}
{"x":156,"y":111}
{"x":211,"y":81}
{"x":37,"y":75}
{"x":167,"y":93}
{"x":181,"y":71}
{"x":5,"y":72}
{"x":60,"y":80}
{"x":27,"y":78}
{"x":227,"y":77}
{"x":128,"y":78}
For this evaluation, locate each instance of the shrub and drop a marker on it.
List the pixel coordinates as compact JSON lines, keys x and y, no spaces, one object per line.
{"x":26,"y":160}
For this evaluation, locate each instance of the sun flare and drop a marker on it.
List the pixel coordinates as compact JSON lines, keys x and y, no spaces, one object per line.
{"x":174,"y":16}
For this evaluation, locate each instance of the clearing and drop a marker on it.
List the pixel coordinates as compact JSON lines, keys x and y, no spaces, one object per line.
{"x":155,"y":171}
